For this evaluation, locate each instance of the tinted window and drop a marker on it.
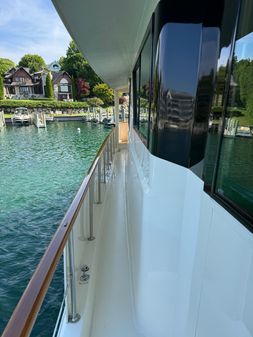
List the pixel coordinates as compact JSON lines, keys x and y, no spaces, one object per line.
{"x":220,"y":92}
{"x":145,"y":81}
{"x":142,"y":87}
{"x":235,"y":172}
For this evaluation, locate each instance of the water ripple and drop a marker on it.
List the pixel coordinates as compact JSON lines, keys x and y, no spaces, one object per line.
{"x":40,"y":172}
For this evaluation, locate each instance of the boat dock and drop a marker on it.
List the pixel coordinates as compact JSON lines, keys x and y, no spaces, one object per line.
{"x":2,"y":120}
{"x":39,"y":120}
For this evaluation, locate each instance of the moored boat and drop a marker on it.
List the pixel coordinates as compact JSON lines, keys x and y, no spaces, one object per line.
{"x":21,"y":117}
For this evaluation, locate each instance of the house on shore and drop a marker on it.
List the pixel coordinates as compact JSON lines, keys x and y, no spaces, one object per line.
{"x":19,"y":83}
{"x":54,"y":67}
{"x":62,"y":85}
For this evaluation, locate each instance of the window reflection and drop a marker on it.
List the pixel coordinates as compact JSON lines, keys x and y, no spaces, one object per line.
{"x":215,"y":119}
{"x":235,"y":174}
{"x":145,"y":87}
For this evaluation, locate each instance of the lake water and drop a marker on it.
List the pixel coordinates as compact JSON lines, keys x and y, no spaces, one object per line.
{"x":235,"y":174}
{"x":40,"y":172}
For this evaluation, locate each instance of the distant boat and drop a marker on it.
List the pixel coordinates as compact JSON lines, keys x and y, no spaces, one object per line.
{"x":49,"y":118}
{"x":21,"y":117}
{"x":243,"y":131}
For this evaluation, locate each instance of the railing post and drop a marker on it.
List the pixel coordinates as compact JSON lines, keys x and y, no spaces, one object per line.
{"x":91,"y":201}
{"x":108,"y":154}
{"x":104,"y":162}
{"x":114,"y":141}
{"x":99,"y":182}
{"x":73,"y":316}
{"x":111,"y":148}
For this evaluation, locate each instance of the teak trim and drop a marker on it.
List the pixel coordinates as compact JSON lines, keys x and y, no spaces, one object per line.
{"x":27,"y":309}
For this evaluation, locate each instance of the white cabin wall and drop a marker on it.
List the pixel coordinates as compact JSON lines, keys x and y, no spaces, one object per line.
{"x":192,"y":266}
{"x":155,"y":222}
{"x":226,"y":295}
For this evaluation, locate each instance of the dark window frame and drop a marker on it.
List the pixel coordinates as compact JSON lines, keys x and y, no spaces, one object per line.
{"x":234,"y":209}
{"x":136,"y":100}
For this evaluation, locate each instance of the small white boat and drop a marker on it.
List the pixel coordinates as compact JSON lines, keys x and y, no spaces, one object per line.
{"x":49,"y":118}
{"x":21,"y":117}
{"x":244,"y":131}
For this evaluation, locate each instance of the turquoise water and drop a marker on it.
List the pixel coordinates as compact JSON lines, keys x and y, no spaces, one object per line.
{"x":40,"y":172}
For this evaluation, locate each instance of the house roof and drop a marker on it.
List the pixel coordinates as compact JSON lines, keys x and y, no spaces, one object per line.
{"x":57,"y":76}
{"x":10,"y":73}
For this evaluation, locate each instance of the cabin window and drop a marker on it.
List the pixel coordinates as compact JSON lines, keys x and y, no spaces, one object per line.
{"x":142,"y":89}
{"x":145,"y":85}
{"x":136,"y":77}
{"x":234,"y":181}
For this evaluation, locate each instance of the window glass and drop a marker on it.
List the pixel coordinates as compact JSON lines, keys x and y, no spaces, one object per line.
{"x":145,"y":79}
{"x":235,"y":171}
{"x":64,"y":88}
{"x":136,"y":97}
{"x":142,"y":89}
{"x":23,"y":89}
{"x":215,"y":119}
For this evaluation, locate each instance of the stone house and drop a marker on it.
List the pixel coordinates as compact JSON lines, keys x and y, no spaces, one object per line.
{"x":19,"y":83}
{"x":62,"y":85}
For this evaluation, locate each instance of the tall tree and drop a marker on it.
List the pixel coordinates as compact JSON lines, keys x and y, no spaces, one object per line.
{"x":83,"y":88}
{"x":104,"y":92}
{"x":1,"y":87}
{"x":49,"y":92}
{"x":5,"y":64}
{"x":32,"y":61}
{"x":76,"y":65}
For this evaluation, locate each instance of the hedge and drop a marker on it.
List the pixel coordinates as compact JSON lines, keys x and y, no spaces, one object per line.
{"x":47,"y":104}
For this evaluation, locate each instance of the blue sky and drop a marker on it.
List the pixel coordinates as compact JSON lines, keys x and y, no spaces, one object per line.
{"x":31,"y":27}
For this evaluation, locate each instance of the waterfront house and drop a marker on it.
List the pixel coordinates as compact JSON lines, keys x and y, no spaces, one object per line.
{"x":54,"y":67}
{"x":19,"y":83}
{"x":62,"y":85}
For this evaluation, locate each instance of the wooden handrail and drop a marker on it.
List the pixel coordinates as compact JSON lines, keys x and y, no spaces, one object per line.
{"x":27,"y":309}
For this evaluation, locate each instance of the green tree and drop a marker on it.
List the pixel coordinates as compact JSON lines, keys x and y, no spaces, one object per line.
{"x":76,"y":65}
{"x":95,"y":101}
{"x":32,"y":61}
{"x":74,"y":88}
{"x":104,"y":92}
{"x":1,"y":87}
{"x":243,"y":71}
{"x":49,"y":92}
{"x":5,"y":64}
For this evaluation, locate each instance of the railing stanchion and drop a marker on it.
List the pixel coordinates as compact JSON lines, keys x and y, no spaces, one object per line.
{"x":73,"y":316}
{"x":107,"y":154}
{"x":115,"y":138}
{"x":104,"y":162}
{"x":91,"y":201}
{"x":99,"y":182}
{"x":114,"y":141}
{"x":110,"y":148}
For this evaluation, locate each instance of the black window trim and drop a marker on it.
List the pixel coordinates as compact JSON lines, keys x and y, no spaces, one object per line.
{"x":234,"y":209}
{"x":149,"y":32}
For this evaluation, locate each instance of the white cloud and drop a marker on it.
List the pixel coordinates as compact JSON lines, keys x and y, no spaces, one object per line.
{"x":31,"y":26}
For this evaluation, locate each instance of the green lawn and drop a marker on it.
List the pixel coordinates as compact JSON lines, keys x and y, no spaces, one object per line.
{"x":244,"y":118}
